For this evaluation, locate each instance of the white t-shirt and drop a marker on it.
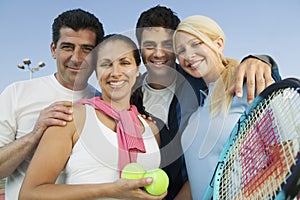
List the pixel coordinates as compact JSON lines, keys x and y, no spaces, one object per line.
{"x":157,"y":102}
{"x":20,"y":105}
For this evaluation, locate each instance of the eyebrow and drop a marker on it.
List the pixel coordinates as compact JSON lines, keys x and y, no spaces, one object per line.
{"x":125,"y":58}
{"x":104,"y":60}
{"x":167,"y":42}
{"x":82,"y":45}
{"x":66,"y":43}
{"x":149,"y":42}
{"x":87,"y":45}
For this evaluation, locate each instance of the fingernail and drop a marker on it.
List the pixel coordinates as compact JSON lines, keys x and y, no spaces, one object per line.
{"x":239,"y":94}
{"x":149,"y":180}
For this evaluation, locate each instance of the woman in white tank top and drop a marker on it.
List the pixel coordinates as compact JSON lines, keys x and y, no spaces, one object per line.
{"x":93,"y":148}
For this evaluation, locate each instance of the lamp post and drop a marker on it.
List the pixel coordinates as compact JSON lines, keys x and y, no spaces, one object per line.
{"x":27,"y":62}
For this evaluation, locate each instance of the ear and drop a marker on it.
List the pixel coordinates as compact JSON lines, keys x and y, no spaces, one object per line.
{"x":52,"y":48}
{"x":219,"y":42}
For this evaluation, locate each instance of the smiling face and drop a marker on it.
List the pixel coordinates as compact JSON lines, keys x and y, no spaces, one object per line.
{"x":196,"y":58}
{"x":70,"y":54}
{"x":116,"y":70}
{"x":157,"y":51}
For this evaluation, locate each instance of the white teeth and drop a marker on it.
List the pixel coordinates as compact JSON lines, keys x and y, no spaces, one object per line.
{"x":158,"y":63}
{"x":116,"y":83}
{"x":196,"y":64}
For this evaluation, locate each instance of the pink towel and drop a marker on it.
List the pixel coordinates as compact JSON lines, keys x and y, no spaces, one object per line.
{"x":130,"y":139}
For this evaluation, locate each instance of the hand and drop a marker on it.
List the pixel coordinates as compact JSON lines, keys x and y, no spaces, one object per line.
{"x":258,"y":77}
{"x":57,"y":114}
{"x":148,"y":117}
{"x":131,"y":189}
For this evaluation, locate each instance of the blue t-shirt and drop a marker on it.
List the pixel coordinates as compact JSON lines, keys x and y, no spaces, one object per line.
{"x":204,"y":138}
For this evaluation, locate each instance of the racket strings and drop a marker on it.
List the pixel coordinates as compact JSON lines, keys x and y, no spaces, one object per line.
{"x":262,"y":155}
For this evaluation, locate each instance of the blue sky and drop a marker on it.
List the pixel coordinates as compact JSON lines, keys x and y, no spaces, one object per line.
{"x":257,"y":26}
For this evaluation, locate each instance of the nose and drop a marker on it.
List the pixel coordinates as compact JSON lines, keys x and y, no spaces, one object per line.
{"x":115,"y":70}
{"x":189,"y":54}
{"x":159,"y":52}
{"x":77,"y":56}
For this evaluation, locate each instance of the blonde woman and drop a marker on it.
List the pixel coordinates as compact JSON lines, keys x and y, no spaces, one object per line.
{"x":199,"y":43}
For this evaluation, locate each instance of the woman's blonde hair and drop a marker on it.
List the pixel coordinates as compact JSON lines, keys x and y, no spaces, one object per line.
{"x":207,"y":30}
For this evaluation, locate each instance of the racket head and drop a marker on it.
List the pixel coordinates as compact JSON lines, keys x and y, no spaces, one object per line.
{"x":289,"y":184}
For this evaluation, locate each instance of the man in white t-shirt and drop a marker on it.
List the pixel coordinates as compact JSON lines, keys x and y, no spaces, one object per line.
{"x":29,"y":107}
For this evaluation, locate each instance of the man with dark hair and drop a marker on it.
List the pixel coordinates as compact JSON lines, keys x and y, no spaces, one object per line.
{"x":25,"y":110}
{"x":169,"y":95}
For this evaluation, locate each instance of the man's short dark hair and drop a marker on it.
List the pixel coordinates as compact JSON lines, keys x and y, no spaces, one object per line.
{"x":158,"y":16}
{"x":77,"y":19}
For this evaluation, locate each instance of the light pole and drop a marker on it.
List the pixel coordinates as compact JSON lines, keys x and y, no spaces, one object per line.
{"x":27,"y":62}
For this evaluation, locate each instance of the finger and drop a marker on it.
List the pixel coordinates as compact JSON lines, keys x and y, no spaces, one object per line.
{"x":139,"y":183}
{"x":163,"y":195}
{"x":61,"y":108}
{"x":250,"y":89}
{"x":61,"y":116}
{"x":55,"y":122}
{"x":156,"y":197}
{"x":239,"y":80}
{"x":54,"y":118}
{"x":263,"y":77}
{"x":231,"y":89}
{"x":250,"y":82}
{"x":62,"y":113}
{"x":260,"y":82}
{"x":43,"y":124}
{"x":150,"y":196}
{"x":144,"y":181}
{"x":268,"y":79}
{"x":67,"y":103}
{"x":144,"y":116}
{"x":64,"y":103}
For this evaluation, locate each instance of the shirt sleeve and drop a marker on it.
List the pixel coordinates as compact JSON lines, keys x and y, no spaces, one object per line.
{"x":270,"y":61}
{"x":7,"y":117}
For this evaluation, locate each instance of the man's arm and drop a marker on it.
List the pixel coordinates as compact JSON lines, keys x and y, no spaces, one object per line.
{"x":259,"y":71}
{"x":12,"y":154}
{"x":271,"y":62}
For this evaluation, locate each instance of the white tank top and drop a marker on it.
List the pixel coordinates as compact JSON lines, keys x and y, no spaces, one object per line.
{"x":94,"y":158}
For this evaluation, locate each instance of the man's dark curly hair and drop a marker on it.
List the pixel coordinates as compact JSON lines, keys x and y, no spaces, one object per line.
{"x":158,"y":16}
{"x":77,"y":19}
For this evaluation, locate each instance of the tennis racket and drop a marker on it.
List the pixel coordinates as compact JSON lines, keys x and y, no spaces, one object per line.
{"x":261,"y":157}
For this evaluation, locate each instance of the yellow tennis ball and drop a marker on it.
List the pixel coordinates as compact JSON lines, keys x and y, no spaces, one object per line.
{"x":160,"y":182}
{"x":133,"y":171}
